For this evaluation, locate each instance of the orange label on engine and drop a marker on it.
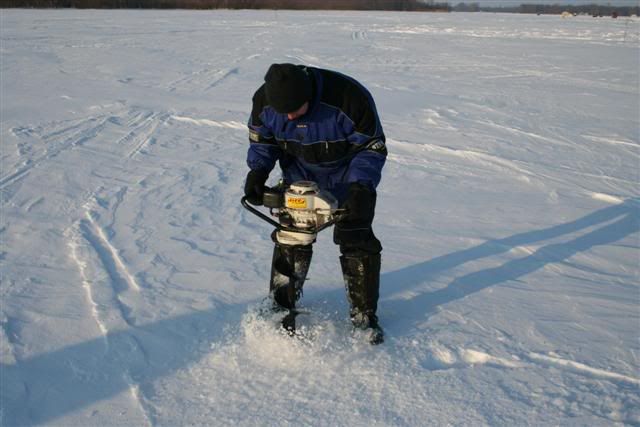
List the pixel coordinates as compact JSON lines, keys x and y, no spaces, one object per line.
{"x":296,"y":202}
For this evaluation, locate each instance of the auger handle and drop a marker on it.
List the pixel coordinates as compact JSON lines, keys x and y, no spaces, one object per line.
{"x":281,"y":227}
{"x":259,"y":214}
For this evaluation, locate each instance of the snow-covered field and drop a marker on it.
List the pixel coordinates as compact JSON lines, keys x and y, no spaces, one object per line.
{"x":509,"y":211}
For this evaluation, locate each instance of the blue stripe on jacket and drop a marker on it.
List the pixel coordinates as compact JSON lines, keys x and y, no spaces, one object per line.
{"x":325,"y":145}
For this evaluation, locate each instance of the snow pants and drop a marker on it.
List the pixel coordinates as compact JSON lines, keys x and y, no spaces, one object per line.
{"x":360,"y":262}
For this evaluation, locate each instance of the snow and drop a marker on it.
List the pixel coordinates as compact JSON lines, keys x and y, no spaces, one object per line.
{"x":509,"y":213}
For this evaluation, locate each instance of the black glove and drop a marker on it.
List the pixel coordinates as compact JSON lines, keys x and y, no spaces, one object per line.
{"x":254,"y":186}
{"x":360,"y":204}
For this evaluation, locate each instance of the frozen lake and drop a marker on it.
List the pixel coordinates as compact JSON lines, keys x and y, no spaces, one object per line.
{"x":509,"y":212}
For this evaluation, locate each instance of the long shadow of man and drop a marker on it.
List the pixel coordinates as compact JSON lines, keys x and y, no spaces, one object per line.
{"x":618,"y":222}
{"x":41,"y":389}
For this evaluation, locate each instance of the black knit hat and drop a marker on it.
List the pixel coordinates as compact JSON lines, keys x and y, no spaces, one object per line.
{"x":287,"y":87}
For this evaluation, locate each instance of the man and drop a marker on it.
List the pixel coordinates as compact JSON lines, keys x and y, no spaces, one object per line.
{"x":322,"y":126}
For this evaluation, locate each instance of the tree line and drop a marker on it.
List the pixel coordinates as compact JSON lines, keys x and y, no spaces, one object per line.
{"x":397,"y":5}
{"x":552,"y":9}
{"x":394,"y":5}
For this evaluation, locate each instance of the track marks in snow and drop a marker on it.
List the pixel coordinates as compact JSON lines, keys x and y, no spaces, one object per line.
{"x":608,"y":198}
{"x":221,"y":76}
{"x":523,"y":133}
{"x":102,"y":279}
{"x":207,"y":122}
{"x":109,"y":254}
{"x":132,"y":129}
{"x":581,"y":368}
{"x":204,"y":79}
{"x":434,"y":119}
{"x":614,"y":140}
{"x":75,"y":252}
{"x":143,"y":127}
{"x":138,"y":398}
{"x":108,"y":284}
{"x":474,"y":357}
{"x":106,"y":279}
{"x":415,"y":156}
{"x":440,"y":357}
{"x":33,"y":203}
{"x":58,"y":140}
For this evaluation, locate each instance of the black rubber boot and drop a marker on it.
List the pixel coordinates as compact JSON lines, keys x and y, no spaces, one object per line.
{"x":288,"y":272}
{"x":362,"y":280}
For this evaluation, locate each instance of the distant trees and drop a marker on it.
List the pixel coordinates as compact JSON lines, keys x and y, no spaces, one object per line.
{"x":399,"y":5}
{"x":552,"y":9}
{"x":590,"y":9}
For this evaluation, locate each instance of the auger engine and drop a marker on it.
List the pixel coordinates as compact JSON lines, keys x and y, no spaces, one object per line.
{"x":303,"y":210}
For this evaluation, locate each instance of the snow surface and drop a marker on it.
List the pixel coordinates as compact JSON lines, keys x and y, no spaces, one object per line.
{"x":509,"y":211}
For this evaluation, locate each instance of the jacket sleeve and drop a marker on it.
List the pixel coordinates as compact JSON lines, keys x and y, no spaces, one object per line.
{"x":367,"y":140}
{"x":263,"y":149}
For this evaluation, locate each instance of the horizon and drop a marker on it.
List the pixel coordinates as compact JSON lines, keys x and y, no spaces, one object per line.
{"x":507,"y":3}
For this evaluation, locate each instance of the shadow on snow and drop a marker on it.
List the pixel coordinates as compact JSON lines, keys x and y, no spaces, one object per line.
{"x":616,"y":222}
{"x":45,"y":387}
